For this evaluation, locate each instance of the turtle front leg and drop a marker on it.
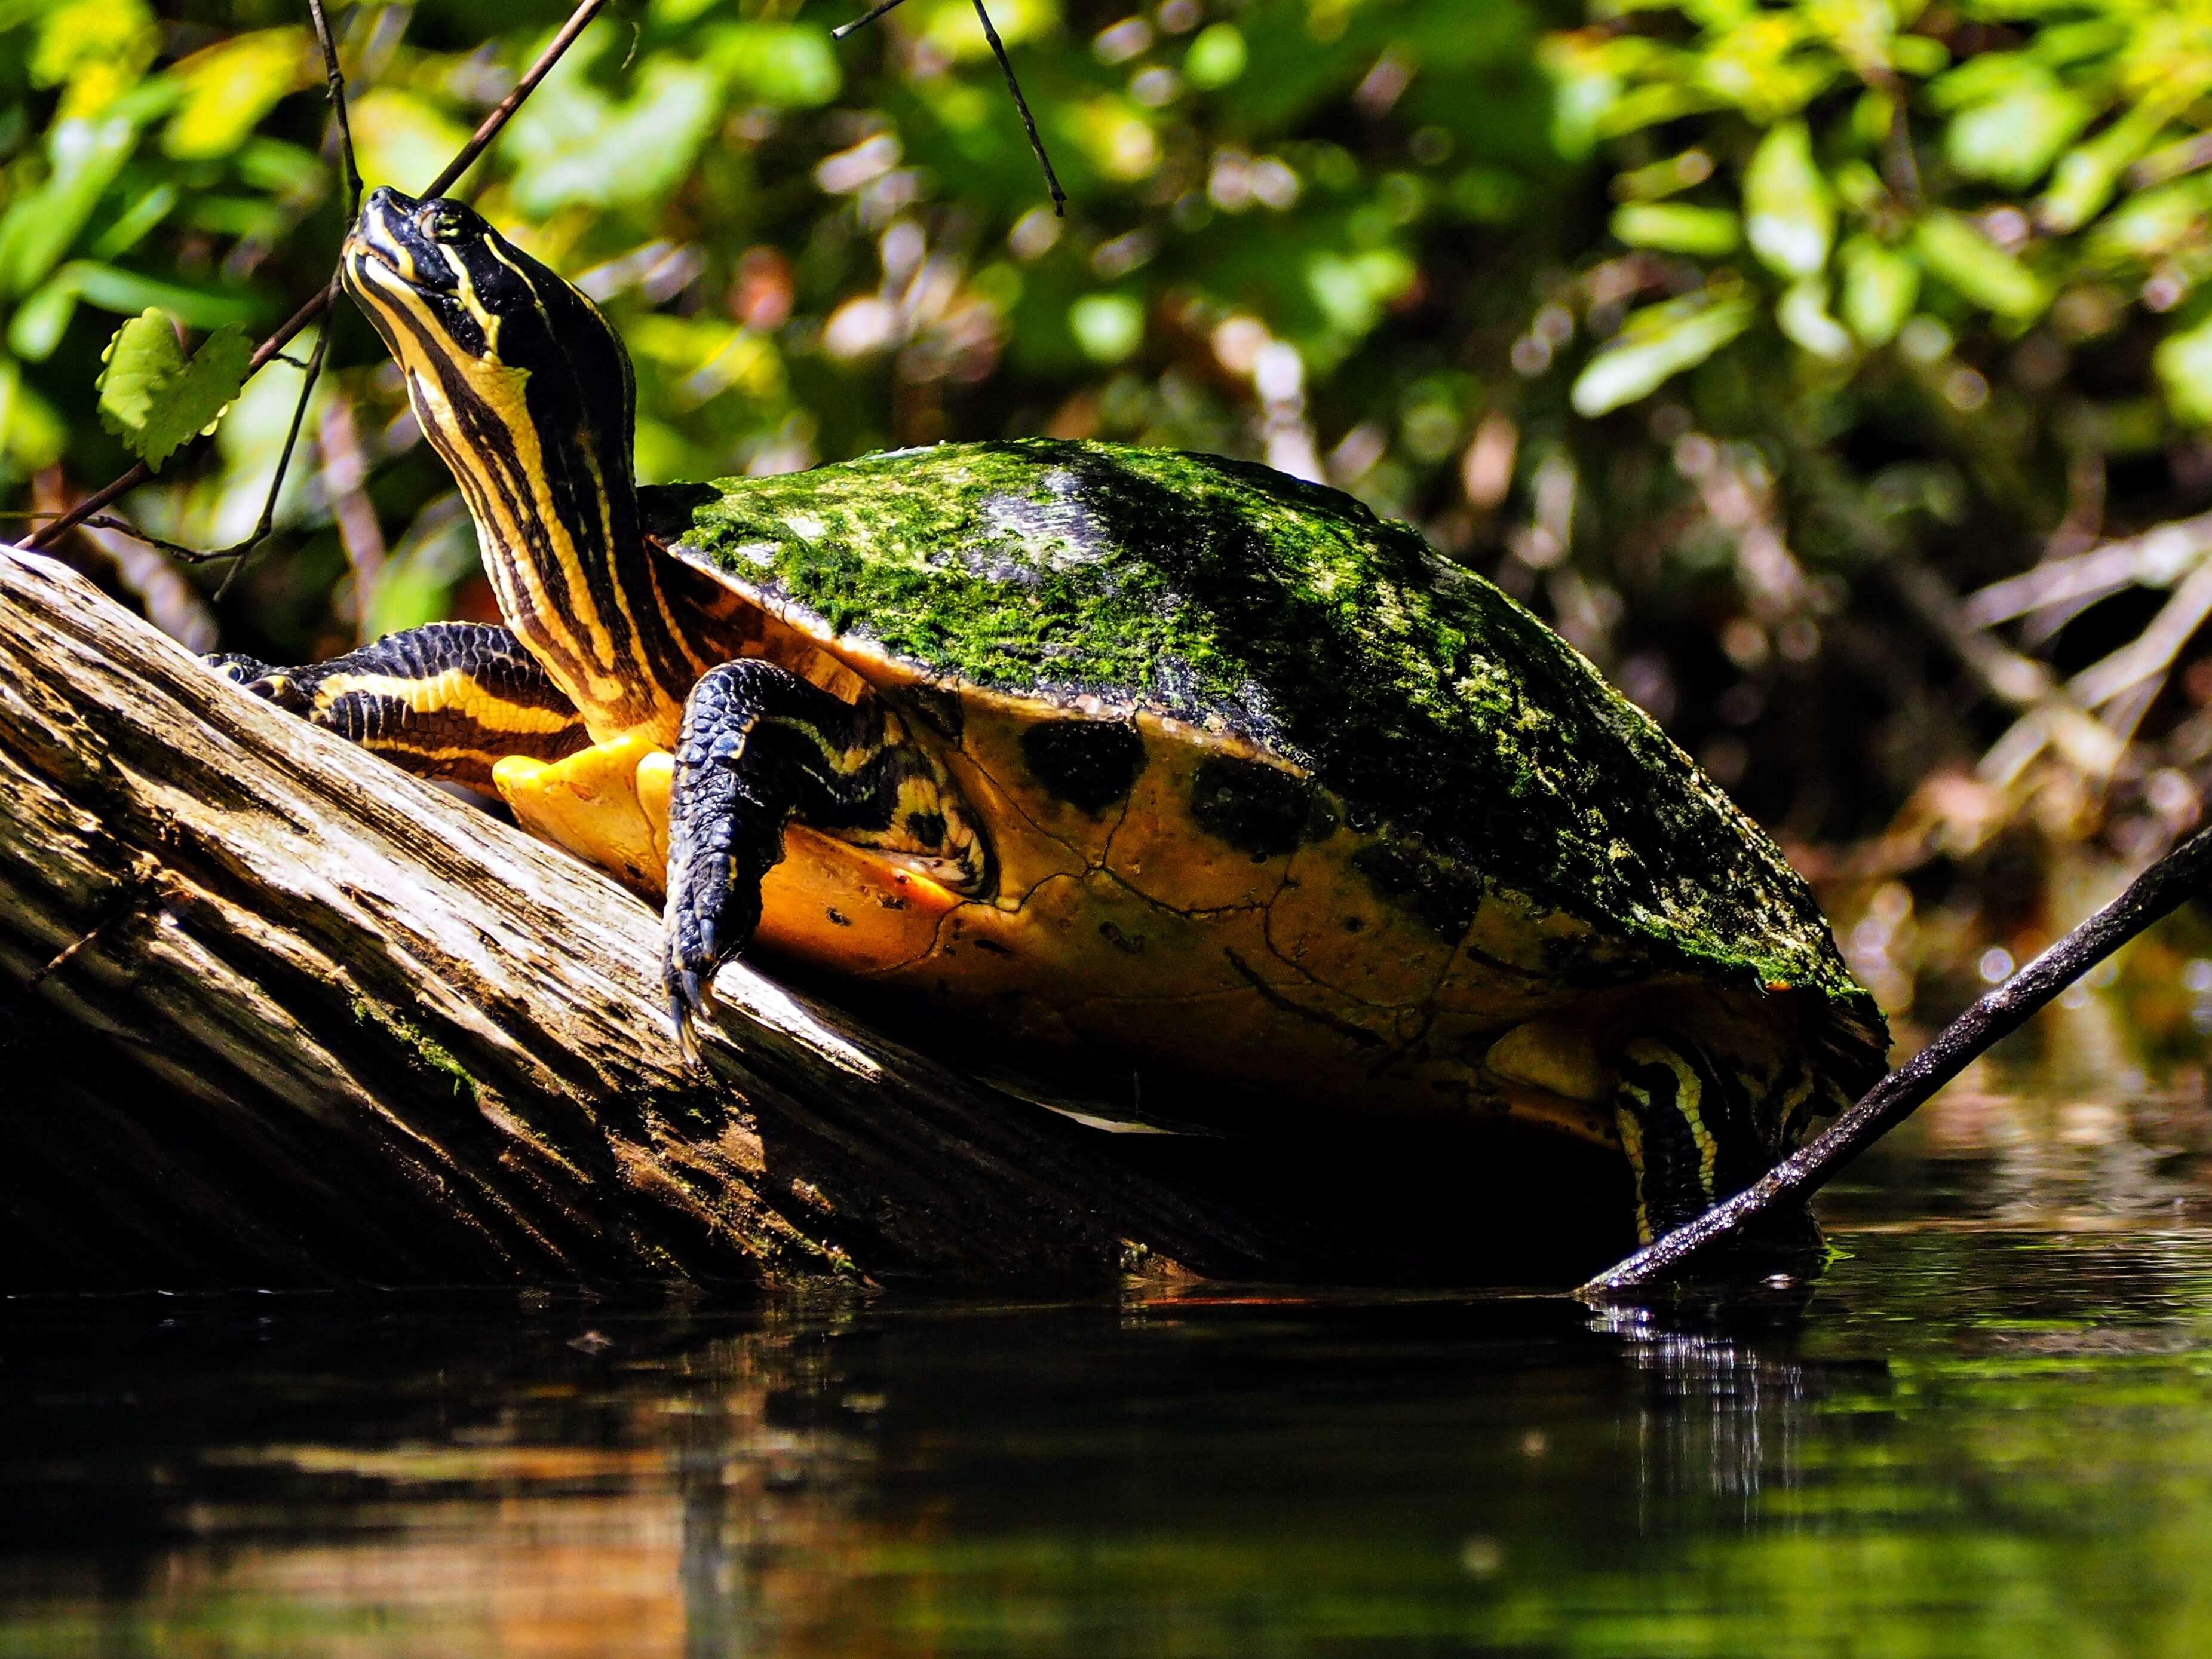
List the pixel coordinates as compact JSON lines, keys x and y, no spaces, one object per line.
{"x":448,"y":700}
{"x":1693,"y":1133}
{"x":760,"y":748}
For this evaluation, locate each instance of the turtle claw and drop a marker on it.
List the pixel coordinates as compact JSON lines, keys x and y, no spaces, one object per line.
{"x":690,"y":1001}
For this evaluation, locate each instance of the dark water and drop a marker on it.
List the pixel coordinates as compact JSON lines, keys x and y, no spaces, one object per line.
{"x":1988,"y":1431}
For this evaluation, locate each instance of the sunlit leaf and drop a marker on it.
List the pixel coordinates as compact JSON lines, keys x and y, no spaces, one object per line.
{"x":153,"y":398}
{"x":1790,"y":218}
{"x":40,"y":322}
{"x":1655,"y":344}
{"x":2012,"y":140}
{"x":1977,"y":269}
{"x":228,"y":89}
{"x":1677,"y":228}
{"x":2183,"y":362}
{"x":1880,"y":285}
{"x":1216,"y":57}
{"x":1803,"y":316}
{"x":1109,"y":327}
{"x":950,"y":26}
{"x":399,"y":139}
{"x":2088,"y":174}
{"x":783,"y":65}
{"x":85,"y":157}
{"x":96,"y":49}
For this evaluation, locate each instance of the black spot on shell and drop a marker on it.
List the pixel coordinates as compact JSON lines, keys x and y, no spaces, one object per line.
{"x":1257,"y":809}
{"x":837,"y":918}
{"x":1435,"y":891}
{"x":938,"y":710}
{"x":990,"y":945}
{"x":667,"y":510}
{"x":1090,"y":764}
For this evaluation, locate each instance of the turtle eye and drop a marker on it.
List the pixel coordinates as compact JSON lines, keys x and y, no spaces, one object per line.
{"x":448,"y":221}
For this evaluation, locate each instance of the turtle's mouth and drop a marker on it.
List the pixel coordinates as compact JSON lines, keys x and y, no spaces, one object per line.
{"x":388,"y":234}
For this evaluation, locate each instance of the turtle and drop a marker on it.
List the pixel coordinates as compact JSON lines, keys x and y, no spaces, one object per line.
{"x":1128,"y":758}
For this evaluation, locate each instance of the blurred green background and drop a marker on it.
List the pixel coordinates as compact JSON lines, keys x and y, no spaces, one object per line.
{"x":1837,"y":374}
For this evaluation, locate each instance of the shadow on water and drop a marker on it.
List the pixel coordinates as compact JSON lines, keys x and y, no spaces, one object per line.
{"x":1988,"y":1430}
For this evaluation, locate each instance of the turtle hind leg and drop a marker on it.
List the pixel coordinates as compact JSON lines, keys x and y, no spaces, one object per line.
{"x":1695,"y":1133}
{"x":448,"y":700}
{"x":762,"y":748}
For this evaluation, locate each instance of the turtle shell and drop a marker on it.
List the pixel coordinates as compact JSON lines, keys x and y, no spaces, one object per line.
{"x":1278,"y":796}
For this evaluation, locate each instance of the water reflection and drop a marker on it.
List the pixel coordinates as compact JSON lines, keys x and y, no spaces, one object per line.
{"x":1962,"y":1440}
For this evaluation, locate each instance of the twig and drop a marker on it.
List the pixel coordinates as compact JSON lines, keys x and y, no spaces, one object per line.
{"x":2168,"y":883}
{"x":334,"y":83}
{"x":2017,"y":681}
{"x":1013,"y":86}
{"x":1029,"y":121}
{"x":2153,"y":651}
{"x":1898,"y":161}
{"x":2159,"y":166}
{"x":2156,"y":558}
{"x":262,"y":527}
{"x":860,"y":24}
{"x":488,"y":129}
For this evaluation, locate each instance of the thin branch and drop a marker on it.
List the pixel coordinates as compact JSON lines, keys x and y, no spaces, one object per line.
{"x":107,"y":495}
{"x":2171,"y":882}
{"x":268,"y":518}
{"x":488,"y":129}
{"x":1013,"y":86}
{"x":1029,"y":121}
{"x":859,"y":23}
{"x":2161,"y":166}
{"x":2155,"y":558}
{"x":334,"y":82}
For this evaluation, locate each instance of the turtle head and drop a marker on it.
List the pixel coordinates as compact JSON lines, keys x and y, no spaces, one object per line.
{"x":466,"y":312}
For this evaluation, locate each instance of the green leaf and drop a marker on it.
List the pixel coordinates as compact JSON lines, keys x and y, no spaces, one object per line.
{"x":1108,"y":326}
{"x":2089,"y":174}
{"x":2183,"y":362}
{"x":1880,"y":285}
{"x":1676,"y":227}
{"x":229,"y":87}
{"x":128,"y":292}
{"x":1980,"y":270}
{"x":40,"y":321}
{"x":783,"y":65}
{"x":399,"y":139}
{"x":1658,"y":343}
{"x":1790,"y":217}
{"x":85,"y":157}
{"x":1216,"y":57}
{"x":153,"y":399}
{"x":1803,"y":316}
{"x":2012,"y":140}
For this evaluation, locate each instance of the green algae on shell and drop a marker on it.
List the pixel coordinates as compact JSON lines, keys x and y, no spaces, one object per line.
{"x":1224,"y":595}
